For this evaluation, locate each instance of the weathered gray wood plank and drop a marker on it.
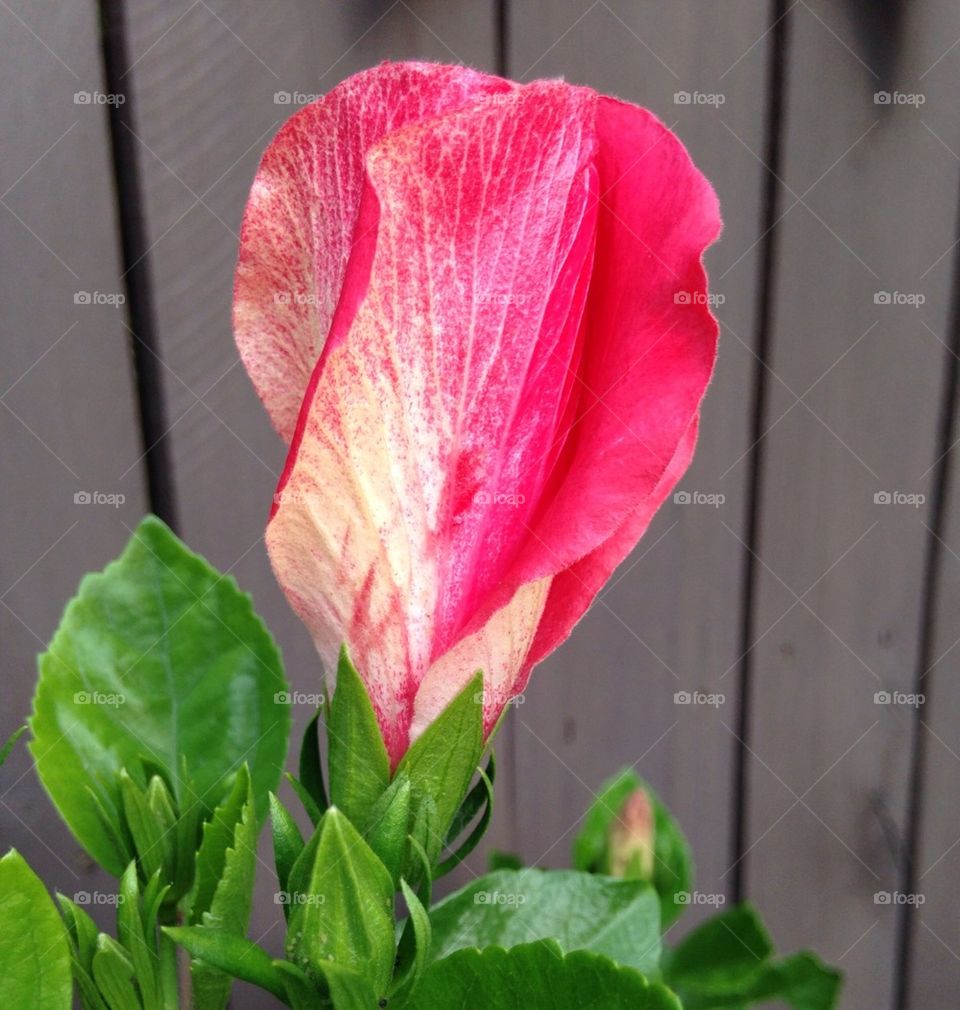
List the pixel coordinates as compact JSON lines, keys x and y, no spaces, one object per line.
{"x":205,"y":76}
{"x":670,"y":620}
{"x":934,"y":948}
{"x":869,"y":207}
{"x":68,"y":415}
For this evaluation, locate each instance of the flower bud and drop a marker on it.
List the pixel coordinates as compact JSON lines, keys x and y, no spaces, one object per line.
{"x":631,"y":838}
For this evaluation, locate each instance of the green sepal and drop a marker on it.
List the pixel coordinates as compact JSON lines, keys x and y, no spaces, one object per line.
{"x":149,"y":820}
{"x":132,"y":935}
{"x":114,"y":974}
{"x":342,"y":904}
{"x":480,"y":797}
{"x":389,"y":825}
{"x":441,"y":763}
{"x":234,"y":955}
{"x":311,"y":767}
{"x":81,"y":929}
{"x":287,"y":845}
{"x":358,"y":762}
{"x":309,"y":803}
{"x":413,"y":951}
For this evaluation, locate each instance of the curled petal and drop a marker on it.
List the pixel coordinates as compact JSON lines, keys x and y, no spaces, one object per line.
{"x":300,"y":223}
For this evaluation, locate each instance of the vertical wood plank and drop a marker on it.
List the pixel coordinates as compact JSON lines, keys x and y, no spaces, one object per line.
{"x":932,"y":948}
{"x":868,"y":212}
{"x":670,"y":620}
{"x":69,"y":423}
{"x":205,"y":76}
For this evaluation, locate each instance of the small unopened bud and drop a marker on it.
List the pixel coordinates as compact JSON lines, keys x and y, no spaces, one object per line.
{"x":632,"y":838}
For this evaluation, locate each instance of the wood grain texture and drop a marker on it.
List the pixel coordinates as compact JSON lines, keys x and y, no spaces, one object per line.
{"x":868,"y":211}
{"x":206,"y":78}
{"x":68,"y":416}
{"x":670,"y":619}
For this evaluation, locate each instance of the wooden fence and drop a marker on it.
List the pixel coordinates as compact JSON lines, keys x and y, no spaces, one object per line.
{"x":809,"y":579}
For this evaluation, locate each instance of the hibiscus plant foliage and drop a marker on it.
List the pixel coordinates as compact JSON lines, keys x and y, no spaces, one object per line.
{"x":159,"y":731}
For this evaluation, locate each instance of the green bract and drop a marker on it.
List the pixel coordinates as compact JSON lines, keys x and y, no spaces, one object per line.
{"x":161,"y":660}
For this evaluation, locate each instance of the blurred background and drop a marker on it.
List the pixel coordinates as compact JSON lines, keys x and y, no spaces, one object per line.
{"x":778,"y":658}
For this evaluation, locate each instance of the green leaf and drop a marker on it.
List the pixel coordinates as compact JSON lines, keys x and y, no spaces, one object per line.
{"x":535,"y":976}
{"x":672,"y":863}
{"x":359,"y":765}
{"x":287,"y":844}
{"x":114,"y":975}
{"x":441,"y":764}
{"x":231,"y":954}
{"x":342,"y":904}
{"x":226,"y":866}
{"x":159,"y":655}
{"x":11,"y":743}
{"x":311,"y":768}
{"x":726,"y":962}
{"x":34,"y":952}
{"x":581,"y":911}
{"x":413,"y":953}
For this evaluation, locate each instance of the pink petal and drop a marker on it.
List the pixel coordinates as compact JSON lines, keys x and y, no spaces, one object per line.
{"x":440,"y":390}
{"x":300,"y":223}
{"x":648,"y":352}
